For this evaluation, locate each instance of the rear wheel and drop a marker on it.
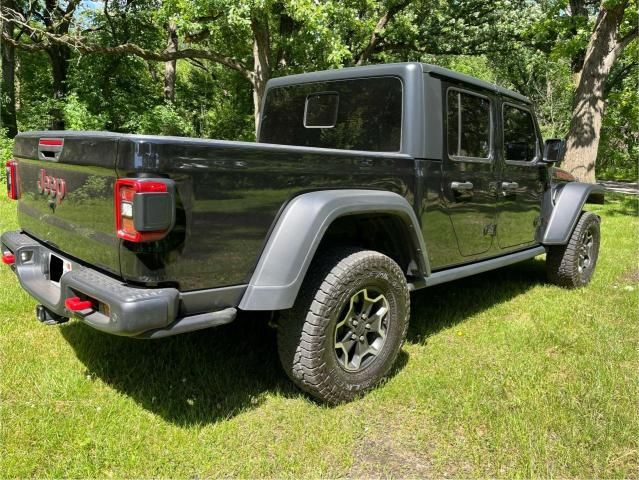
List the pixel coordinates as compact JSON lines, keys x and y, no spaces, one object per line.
{"x":572,"y":265}
{"x":347,"y":326}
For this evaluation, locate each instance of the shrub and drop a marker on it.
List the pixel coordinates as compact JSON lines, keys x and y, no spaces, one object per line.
{"x":6,"y":149}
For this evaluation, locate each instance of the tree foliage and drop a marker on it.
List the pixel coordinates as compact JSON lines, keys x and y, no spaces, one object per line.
{"x":180,"y":67}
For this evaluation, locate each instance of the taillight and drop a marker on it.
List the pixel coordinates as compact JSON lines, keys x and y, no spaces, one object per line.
{"x":144,"y":209}
{"x":12,"y":179}
{"x":8,"y":258}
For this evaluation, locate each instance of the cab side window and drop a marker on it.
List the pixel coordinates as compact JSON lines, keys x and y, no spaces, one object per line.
{"x":468,"y":125}
{"x":520,"y":137}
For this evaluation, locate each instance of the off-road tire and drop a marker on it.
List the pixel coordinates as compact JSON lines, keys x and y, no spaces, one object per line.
{"x":563,"y":261}
{"x":307,"y":332}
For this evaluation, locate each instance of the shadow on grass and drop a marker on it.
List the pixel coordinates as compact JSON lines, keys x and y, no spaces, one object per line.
{"x":194,"y":378}
{"x":624,"y":205}
{"x":445,"y":305}
{"x":214,"y":374}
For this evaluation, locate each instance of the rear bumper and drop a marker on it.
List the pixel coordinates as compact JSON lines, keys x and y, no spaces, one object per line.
{"x":117,"y":308}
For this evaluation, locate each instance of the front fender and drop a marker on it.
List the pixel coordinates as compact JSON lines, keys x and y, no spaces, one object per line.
{"x":298,"y":232}
{"x":567,"y":205}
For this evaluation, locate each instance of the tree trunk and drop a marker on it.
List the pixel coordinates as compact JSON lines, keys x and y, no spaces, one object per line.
{"x":7,"y":85}
{"x":376,"y":36}
{"x":57,"y":17}
{"x":588,"y":108}
{"x":286,"y":30}
{"x":59,"y":55}
{"x":577,"y":8}
{"x":261,"y":65}
{"x":170,"y":66}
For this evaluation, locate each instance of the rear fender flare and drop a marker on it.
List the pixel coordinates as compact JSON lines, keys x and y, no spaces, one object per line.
{"x":567,"y":205}
{"x":298,"y":232}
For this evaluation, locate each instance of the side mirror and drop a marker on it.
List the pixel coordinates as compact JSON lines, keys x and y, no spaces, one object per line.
{"x":554,"y":150}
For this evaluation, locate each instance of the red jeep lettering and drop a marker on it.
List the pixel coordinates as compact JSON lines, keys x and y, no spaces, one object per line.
{"x":51,"y":186}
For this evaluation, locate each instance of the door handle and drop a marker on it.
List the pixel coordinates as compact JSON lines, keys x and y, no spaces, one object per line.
{"x":509,"y":186}
{"x":461,"y":186}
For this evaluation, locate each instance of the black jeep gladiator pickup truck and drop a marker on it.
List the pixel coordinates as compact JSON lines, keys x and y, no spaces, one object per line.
{"x":365,"y":184}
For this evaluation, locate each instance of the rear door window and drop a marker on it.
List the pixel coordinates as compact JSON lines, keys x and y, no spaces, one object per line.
{"x":520,"y":137}
{"x":468,"y":118}
{"x":355,"y":114}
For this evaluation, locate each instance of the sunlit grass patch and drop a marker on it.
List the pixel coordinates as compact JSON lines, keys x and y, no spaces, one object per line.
{"x":502,"y":375}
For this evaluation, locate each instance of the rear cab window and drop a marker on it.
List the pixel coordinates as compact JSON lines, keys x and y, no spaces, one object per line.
{"x":468,"y":125}
{"x":355,"y":114}
{"x":521,"y":143}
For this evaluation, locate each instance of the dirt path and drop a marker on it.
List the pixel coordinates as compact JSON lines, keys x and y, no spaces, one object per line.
{"x":621,"y":187}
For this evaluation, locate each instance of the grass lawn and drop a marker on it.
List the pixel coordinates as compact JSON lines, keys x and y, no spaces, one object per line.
{"x":502,"y":375}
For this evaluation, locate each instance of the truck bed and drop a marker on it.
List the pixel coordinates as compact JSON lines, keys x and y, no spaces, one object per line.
{"x":227,"y":196}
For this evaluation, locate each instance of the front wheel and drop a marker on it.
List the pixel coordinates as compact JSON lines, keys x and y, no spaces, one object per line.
{"x":347,"y":326}
{"x":573,"y":264}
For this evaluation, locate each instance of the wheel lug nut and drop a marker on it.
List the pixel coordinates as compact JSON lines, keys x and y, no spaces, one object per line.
{"x":361,"y":339}
{"x":368,"y":326}
{"x":355,"y":323}
{"x":353,"y":337}
{"x":363,"y":316}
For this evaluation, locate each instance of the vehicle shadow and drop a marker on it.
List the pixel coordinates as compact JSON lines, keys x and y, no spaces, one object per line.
{"x":448,"y":304}
{"x":214,"y":374}
{"x":194,"y":378}
{"x":197,"y":377}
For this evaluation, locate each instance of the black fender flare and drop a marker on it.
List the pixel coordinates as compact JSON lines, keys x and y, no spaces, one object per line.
{"x":298,"y":231}
{"x":568,"y":202}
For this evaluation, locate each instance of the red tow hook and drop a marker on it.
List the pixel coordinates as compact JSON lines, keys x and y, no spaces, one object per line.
{"x":8,"y":258}
{"x":75,"y":304}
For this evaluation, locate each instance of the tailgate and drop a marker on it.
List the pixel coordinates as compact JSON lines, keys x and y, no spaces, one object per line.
{"x":65,"y":182}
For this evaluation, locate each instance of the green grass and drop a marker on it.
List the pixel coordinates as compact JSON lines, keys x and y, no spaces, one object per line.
{"x":502,"y":375}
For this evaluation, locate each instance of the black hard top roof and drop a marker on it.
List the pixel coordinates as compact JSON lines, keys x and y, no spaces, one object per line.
{"x":399,"y":69}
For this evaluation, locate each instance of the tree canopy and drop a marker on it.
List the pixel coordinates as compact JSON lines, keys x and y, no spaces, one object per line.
{"x":191,"y":68}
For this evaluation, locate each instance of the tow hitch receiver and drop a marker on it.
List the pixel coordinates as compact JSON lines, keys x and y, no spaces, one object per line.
{"x":76,"y":304}
{"x":46,"y":316}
